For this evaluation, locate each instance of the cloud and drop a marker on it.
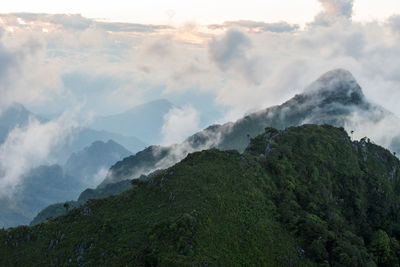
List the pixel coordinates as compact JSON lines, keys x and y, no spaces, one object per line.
{"x":338,"y":8}
{"x":246,"y":65}
{"x":28,"y":147}
{"x":229,"y":48}
{"x":77,"y":22}
{"x":334,"y":11}
{"x":95,"y":180}
{"x":256,"y":26}
{"x":229,"y":53}
{"x":130,"y":27}
{"x":24,"y":73}
{"x":179,"y":123}
{"x":394,"y":23}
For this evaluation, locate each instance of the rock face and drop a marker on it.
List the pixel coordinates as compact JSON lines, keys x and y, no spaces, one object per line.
{"x":332,"y":99}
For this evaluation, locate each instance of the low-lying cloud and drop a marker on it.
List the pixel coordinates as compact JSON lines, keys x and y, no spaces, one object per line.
{"x":29,"y":146}
{"x":179,"y":123}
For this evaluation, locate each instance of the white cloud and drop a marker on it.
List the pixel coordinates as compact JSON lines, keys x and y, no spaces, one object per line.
{"x":245,"y":69}
{"x":96,"y":179}
{"x":24,"y":73}
{"x":28,"y":147}
{"x":179,"y":123}
{"x":394,"y":23}
{"x":338,"y":7}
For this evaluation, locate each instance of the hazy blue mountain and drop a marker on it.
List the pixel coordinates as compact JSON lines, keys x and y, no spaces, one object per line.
{"x":144,"y":121}
{"x":45,"y":185}
{"x":18,"y":115}
{"x":332,"y":99}
{"x":94,"y":160}
{"x":15,"y":115}
{"x":83,"y":137}
{"x":42,"y":186}
{"x":12,"y":214}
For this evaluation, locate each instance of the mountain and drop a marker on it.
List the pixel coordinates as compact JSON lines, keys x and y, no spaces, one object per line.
{"x":58,"y":209}
{"x":335,"y":98}
{"x":18,"y":115}
{"x":93,"y":160}
{"x":15,"y":115}
{"x":42,"y":186}
{"x":83,"y":137}
{"x":144,"y":121}
{"x":46,"y":185}
{"x":305,"y":196}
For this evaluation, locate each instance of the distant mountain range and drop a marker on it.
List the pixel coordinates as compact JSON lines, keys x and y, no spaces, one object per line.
{"x":335,"y":98}
{"x":83,"y":137}
{"x":45,"y":185}
{"x":332,"y":99}
{"x":18,"y":115}
{"x":144,"y":121}
{"x":92,"y":160}
{"x":81,"y":161}
{"x":15,"y":115}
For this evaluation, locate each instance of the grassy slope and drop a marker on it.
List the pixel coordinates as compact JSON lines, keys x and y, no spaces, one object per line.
{"x":307,"y":194}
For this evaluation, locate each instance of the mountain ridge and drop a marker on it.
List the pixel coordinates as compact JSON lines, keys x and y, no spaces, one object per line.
{"x":304,"y":196}
{"x":331,"y":99}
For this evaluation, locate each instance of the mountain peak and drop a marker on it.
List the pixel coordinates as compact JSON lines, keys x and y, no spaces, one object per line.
{"x":337,"y":85}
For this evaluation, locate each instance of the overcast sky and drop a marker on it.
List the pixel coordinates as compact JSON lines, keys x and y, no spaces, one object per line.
{"x":203,"y":12}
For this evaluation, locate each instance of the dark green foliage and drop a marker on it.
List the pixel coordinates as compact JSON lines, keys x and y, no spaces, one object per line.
{"x":52,"y":211}
{"x":58,"y":209}
{"x":301,"y":197}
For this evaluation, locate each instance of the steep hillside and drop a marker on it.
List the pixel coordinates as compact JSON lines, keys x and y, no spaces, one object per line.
{"x":304,"y":196}
{"x":335,"y":98}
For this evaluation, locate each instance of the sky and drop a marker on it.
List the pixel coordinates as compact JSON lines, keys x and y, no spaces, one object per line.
{"x":72,"y":61}
{"x":202,"y":12}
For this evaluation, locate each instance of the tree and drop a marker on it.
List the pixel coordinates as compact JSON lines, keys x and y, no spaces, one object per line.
{"x":380,"y":246}
{"x":66,"y":206}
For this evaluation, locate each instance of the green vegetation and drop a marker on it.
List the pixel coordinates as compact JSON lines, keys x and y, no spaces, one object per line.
{"x":58,"y":209}
{"x":306,"y":196}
